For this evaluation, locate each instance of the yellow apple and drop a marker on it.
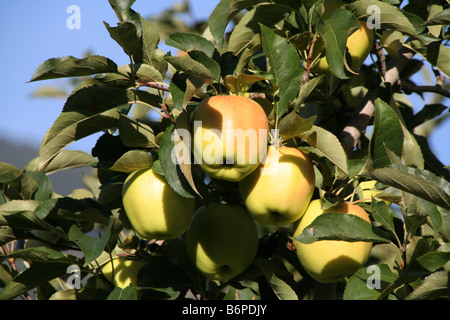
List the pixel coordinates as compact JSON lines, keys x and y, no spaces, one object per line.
{"x":368,"y":191}
{"x":279,"y":192}
{"x":229,"y":136}
{"x":222,"y":240}
{"x":125,"y":271}
{"x":329,"y":261}
{"x":359,"y":43}
{"x":153,"y":208}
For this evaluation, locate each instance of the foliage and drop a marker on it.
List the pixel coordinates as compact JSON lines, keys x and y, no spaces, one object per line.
{"x":266,"y":56}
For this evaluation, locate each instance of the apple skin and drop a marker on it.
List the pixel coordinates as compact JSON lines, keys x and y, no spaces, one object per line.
{"x":225,"y":112}
{"x":279,"y":192}
{"x":328,"y":261}
{"x":125,"y":271}
{"x":154,"y":209}
{"x":222,"y":240}
{"x":368,"y":191}
{"x":359,"y":43}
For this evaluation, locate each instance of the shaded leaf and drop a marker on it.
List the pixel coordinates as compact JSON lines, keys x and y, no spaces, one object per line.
{"x":172,"y":171}
{"x":73,"y":67}
{"x":132,"y":160}
{"x":281,"y":289}
{"x":92,"y":247}
{"x":190,"y":41}
{"x":435,"y":286}
{"x":368,"y":283}
{"x":244,"y":31}
{"x":135,"y":134}
{"x":8,"y":172}
{"x":36,"y":275}
{"x":387,"y":133}
{"x":436,"y":54}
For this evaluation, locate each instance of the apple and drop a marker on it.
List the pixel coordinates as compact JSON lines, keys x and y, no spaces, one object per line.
{"x":125,"y":271}
{"x":279,"y":192}
{"x":328,"y":261}
{"x":359,"y":43}
{"x":368,"y":191}
{"x":229,"y":136}
{"x":153,"y":208}
{"x":222,"y":240}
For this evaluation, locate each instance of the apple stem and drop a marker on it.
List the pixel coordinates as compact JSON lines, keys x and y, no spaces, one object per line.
{"x":324,"y":291}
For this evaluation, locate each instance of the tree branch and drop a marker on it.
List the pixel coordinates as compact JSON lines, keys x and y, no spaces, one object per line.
{"x":408,"y":88}
{"x":357,"y":124}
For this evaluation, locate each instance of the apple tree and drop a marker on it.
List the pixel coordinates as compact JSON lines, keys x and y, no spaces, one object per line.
{"x":364,"y":127}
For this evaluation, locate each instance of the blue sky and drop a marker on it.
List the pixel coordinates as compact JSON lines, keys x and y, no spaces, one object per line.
{"x":33,"y":31}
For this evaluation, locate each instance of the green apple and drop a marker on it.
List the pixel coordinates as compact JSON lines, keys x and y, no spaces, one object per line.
{"x":153,"y":208}
{"x":229,"y":136}
{"x":125,"y":271}
{"x":279,"y":192}
{"x":328,"y":261}
{"x":222,"y":240}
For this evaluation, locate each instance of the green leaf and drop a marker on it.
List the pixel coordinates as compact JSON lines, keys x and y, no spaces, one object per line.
{"x":73,"y":67}
{"x":150,"y":40}
{"x":191,"y":66}
{"x":126,"y":35}
{"x":281,"y":289}
{"x":44,"y":185}
{"x":172,"y":171}
{"x":427,"y":264}
{"x":383,"y":214}
{"x":390,"y":16}
{"x":329,"y":145}
{"x":387,"y":133}
{"x":218,"y":21}
{"x":88,"y":111}
{"x":91,"y":247}
{"x":36,"y":275}
{"x":69,"y":159}
{"x":127,"y":293}
{"x":8,"y":172}
{"x":368,"y":283}
{"x":41,"y":254}
{"x":433,"y":287}
{"x":132,"y":160}
{"x":334,"y":32}
{"x":148,"y":73}
{"x":442,"y":18}
{"x":249,"y":25}
{"x":421,"y":183}
{"x":341,"y":226}
{"x":136,"y":134}
{"x":436,"y":54}
{"x":285,"y":66}
{"x":27,"y":220}
{"x":190,"y":41}
{"x":122,"y":8}
{"x":306,"y":89}
{"x":293,"y":125}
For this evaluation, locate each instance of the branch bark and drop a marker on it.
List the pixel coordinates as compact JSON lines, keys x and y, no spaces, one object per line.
{"x":357,"y":124}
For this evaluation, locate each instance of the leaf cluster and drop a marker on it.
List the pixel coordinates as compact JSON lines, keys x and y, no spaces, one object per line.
{"x":266,"y":56}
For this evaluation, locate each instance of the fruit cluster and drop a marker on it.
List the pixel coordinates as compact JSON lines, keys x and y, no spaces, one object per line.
{"x":222,"y":238}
